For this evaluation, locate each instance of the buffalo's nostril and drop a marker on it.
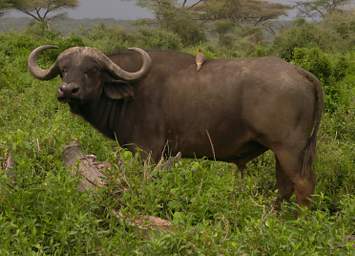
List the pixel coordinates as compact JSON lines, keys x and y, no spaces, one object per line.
{"x":75,"y":90}
{"x":60,"y":92}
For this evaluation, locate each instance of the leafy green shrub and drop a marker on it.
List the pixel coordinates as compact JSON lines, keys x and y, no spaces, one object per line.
{"x":329,"y":69}
{"x":335,"y":33}
{"x":224,"y":30}
{"x":107,"y":38}
{"x":301,"y":36}
{"x":315,"y":61}
{"x":40,"y":30}
{"x":158,"y":39}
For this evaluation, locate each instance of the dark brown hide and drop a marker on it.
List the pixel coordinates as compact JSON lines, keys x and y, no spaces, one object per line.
{"x":231,"y":110}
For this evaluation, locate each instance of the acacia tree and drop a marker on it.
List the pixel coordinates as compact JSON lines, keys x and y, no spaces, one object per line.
{"x":4,"y":5}
{"x":42,"y":10}
{"x":319,"y":8}
{"x":237,"y":11}
{"x":186,"y":4}
{"x":175,"y":16}
{"x":240,"y":11}
{"x":187,"y":17}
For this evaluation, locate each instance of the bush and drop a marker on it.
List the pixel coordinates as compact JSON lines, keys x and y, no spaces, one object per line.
{"x":315,"y":61}
{"x":304,"y":35}
{"x":157,"y":38}
{"x":329,"y":69}
{"x":336,"y":33}
{"x":107,"y":38}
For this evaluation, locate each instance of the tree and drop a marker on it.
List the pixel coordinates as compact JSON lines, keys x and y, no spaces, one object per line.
{"x":186,"y":4}
{"x":4,"y":5}
{"x":319,"y":8}
{"x":188,"y":17}
{"x":175,"y":17}
{"x":42,"y":10}
{"x":239,"y":11}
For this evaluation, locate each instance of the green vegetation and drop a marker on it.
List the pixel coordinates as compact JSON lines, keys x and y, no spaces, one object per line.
{"x":213,"y":211}
{"x":320,"y":8}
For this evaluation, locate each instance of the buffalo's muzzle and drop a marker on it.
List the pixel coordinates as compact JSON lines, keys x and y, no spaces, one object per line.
{"x":68,"y":91}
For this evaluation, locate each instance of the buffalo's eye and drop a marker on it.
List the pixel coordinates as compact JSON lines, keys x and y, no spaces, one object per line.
{"x":64,"y":72}
{"x":90,"y":71}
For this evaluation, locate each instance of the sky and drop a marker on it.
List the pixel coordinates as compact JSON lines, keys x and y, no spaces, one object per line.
{"x":122,"y":9}
{"x":117,"y":9}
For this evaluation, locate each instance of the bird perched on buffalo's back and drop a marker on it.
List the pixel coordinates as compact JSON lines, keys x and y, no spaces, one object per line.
{"x":199,"y":59}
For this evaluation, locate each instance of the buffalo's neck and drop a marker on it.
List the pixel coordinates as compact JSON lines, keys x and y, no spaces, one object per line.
{"x":105,"y":115}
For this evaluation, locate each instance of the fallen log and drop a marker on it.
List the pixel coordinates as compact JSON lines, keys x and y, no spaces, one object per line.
{"x":87,"y":167}
{"x":92,"y":176}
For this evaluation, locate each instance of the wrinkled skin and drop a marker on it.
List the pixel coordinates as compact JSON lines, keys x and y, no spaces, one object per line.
{"x":230,"y":110}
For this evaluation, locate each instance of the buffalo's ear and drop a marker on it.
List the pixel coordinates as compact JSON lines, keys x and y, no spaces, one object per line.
{"x":118,"y":89}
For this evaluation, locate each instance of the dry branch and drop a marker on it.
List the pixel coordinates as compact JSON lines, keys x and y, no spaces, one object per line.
{"x":8,"y":162}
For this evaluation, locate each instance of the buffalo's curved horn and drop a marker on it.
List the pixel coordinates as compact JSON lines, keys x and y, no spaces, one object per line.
{"x":35,"y":70}
{"x":117,"y":70}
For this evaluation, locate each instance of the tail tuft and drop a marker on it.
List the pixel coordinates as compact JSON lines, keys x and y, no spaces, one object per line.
{"x":310,"y":148}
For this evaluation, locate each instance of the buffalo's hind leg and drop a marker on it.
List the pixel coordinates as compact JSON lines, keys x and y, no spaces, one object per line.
{"x":284,"y":185}
{"x":290,"y":164}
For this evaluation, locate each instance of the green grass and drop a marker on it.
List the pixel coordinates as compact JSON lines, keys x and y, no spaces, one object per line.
{"x":213,"y":211}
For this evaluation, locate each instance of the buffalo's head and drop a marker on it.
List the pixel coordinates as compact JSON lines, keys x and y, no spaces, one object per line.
{"x":85,"y":72}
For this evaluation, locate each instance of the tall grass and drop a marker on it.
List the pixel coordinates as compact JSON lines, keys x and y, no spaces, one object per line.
{"x":213,"y":210}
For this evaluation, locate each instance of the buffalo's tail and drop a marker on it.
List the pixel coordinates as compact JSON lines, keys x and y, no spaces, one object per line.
{"x":310,"y":148}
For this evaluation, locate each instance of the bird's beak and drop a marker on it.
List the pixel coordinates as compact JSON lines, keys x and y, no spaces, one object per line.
{"x":199,"y":65}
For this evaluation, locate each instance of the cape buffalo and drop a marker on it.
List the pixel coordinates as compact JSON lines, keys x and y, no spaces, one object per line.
{"x":231,"y":110}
